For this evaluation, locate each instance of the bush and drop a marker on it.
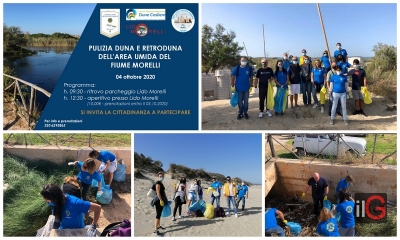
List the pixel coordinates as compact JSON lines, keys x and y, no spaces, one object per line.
{"x":389,"y":228}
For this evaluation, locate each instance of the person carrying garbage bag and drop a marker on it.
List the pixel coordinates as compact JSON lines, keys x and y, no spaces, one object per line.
{"x":346,"y":210}
{"x":319,"y":187}
{"x":282,"y":83}
{"x":271,"y":225}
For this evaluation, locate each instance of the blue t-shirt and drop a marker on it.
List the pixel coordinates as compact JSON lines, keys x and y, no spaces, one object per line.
{"x":343,"y":66}
{"x":270,"y":219}
{"x":346,"y":210}
{"x":286,"y":64}
{"x":325,"y":61}
{"x":217,"y":185}
{"x":329,"y":228}
{"x":86,"y":177}
{"x":243,"y":79}
{"x":341,"y":51}
{"x":318,"y":74}
{"x":342,"y":185}
{"x":242,"y":190}
{"x":281,"y":77}
{"x":105,"y":156}
{"x":72,"y":212}
{"x":339,"y":83}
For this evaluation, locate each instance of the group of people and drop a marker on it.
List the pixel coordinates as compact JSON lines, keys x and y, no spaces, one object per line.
{"x":182,"y":195}
{"x":69,"y":203}
{"x":300,"y":75}
{"x":327,"y":225}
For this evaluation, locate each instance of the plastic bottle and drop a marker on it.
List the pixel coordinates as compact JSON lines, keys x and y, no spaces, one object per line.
{"x":71,"y":163}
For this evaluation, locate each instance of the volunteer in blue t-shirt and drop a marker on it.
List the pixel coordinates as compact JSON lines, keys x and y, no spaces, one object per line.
{"x":286,"y":62}
{"x":346,"y":210}
{"x":282,"y":83}
{"x":325,"y":61}
{"x":327,"y":226}
{"x":87,"y":172}
{"x":342,"y":64}
{"x":243,"y":192}
{"x":242,"y":83}
{"x":69,"y":209}
{"x":109,"y":162}
{"x":343,"y":185}
{"x":341,"y":51}
{"x":216,"y":185}
{"x":318,"y":80}
{"x":271,"y":225}
{"x":338,"y":88}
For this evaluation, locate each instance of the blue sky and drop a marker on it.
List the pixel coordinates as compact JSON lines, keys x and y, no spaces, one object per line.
{"x":236,"y":155}
{"x":48,"y":18}
{"x":292,"y":27}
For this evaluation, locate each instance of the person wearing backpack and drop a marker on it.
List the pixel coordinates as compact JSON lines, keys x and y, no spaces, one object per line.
{"x":242,"y":83}
{"x":306,"y":81}
{"x":230,"y":194}
{"x":264,"y":76}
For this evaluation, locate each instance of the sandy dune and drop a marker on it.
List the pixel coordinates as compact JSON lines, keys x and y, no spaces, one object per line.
{"x":249,"y":222}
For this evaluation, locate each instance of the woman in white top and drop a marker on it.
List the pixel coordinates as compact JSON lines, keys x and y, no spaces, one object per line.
{"x":193,"y":189}
{"x":180,"y":198}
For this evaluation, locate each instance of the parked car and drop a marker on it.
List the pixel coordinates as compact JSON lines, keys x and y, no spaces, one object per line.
{"x":314,"y":143}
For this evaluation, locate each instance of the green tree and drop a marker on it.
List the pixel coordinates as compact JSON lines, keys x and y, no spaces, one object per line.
{"x":13,"y":38}
{"x":218,"y":48}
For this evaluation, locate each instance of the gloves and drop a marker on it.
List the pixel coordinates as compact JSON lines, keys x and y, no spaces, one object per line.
{"x":325,"y":198}
{"x":91,"y":232}
{"x":250,"y":89}
{"x":233,"y":89}
{"x":256,"y":90}
{"x":284,"y":221}
{"x":162,"y":203}
{"x":303,"y":195}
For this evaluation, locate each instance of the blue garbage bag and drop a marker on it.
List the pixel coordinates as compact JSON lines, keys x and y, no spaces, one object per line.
{"x":200,"y":205}
{"x":295,"y":228}
{"x":235,"y":99}
{"x":166,"y":212}
{"x":328,"y":204}
{"x":95,"y":183}
{"x":105,"y":196}
{"x":337,"y":215}
{"x":279,"y":100}
{"x":119,"y":174}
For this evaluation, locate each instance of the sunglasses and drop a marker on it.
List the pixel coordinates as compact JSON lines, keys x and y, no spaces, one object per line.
{"x":263,"y":62}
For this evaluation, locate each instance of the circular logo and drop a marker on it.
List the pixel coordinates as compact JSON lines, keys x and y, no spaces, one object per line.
{"x":183,"y":20}
{"x":141,"y":30}
{"x":330,"y":227}
{"x":130,"y":14}
{"x":349,"y":209}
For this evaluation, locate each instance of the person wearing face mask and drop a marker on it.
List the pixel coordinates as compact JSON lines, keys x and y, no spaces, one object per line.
{"x":180,"y":198}
{"x":243,"y":192}
{"x":306,"y":84}
{"x":318,"y":79}
{"x":286,"y":61}
{"x":359,"y":79}
{"x":230,"y":194}
{"x":294,"y":78}
{"x":87,"y":172}
{"x":340,"y":61}
{"x":69,"y":209}
{"x":282,"y":83}
{"x":242,"y":82}
{"x":263,"y":77}
{"x":338,"y":88}
{"x":192,"y":195}
{"x":303,"y":55}
{"x":325,"y":61}
{"x":161,"y":200}
{"x":328,"y":82}
{"x":217,"y":185}
{"x":340,"y":51}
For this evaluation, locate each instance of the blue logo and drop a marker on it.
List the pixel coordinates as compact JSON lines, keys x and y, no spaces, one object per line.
{"x":130,"y":14}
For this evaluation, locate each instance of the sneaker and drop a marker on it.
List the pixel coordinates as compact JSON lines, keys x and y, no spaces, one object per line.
{"x":230,"y":213}
{"x":180,"y":217}
{"x":246,"y":116}
{"x":362,"y":113}
{"x":173,"y":219}
{"x":160,"y":227}
{"x":322,"y":109}
{"x":156,"y":233}
{"x":242,"y":208}
{"x":239,"y":116}
{"x":236,"y":216}
{"x":346,"y":122}
{"x":356,"y":112}
{"x":269,"y":113}
{"x":315,"y":106}
{"x":331,"y":122}
{"x":260,"y":115}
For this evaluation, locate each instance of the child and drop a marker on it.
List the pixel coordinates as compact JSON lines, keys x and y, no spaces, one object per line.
{"x":109,"y":161}
{"x":87,"y":172}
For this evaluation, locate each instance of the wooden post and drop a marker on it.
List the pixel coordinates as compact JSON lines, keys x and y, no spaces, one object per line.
{"x":271,"y":145}
{"x":26,"y":141}
{"x":246,"y":50}
{"x":22,"y":96}
{"x":323,"y":31}
{"x":15,"y":89}
{"x":373,"y":150}
{"x":90,"y":140}
{"x":265,"y":54}
{"x":31,"y":101}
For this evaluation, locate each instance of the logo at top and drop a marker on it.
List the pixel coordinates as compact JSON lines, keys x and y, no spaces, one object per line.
{"x":141,"y":30}
{"x":109,"y":22}
{"x":183,"y":20}
{"x":130,"y":14}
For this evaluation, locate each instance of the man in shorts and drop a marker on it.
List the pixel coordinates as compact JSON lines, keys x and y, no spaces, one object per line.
{"x":359,"y":80}
{"x":294,"y":79}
